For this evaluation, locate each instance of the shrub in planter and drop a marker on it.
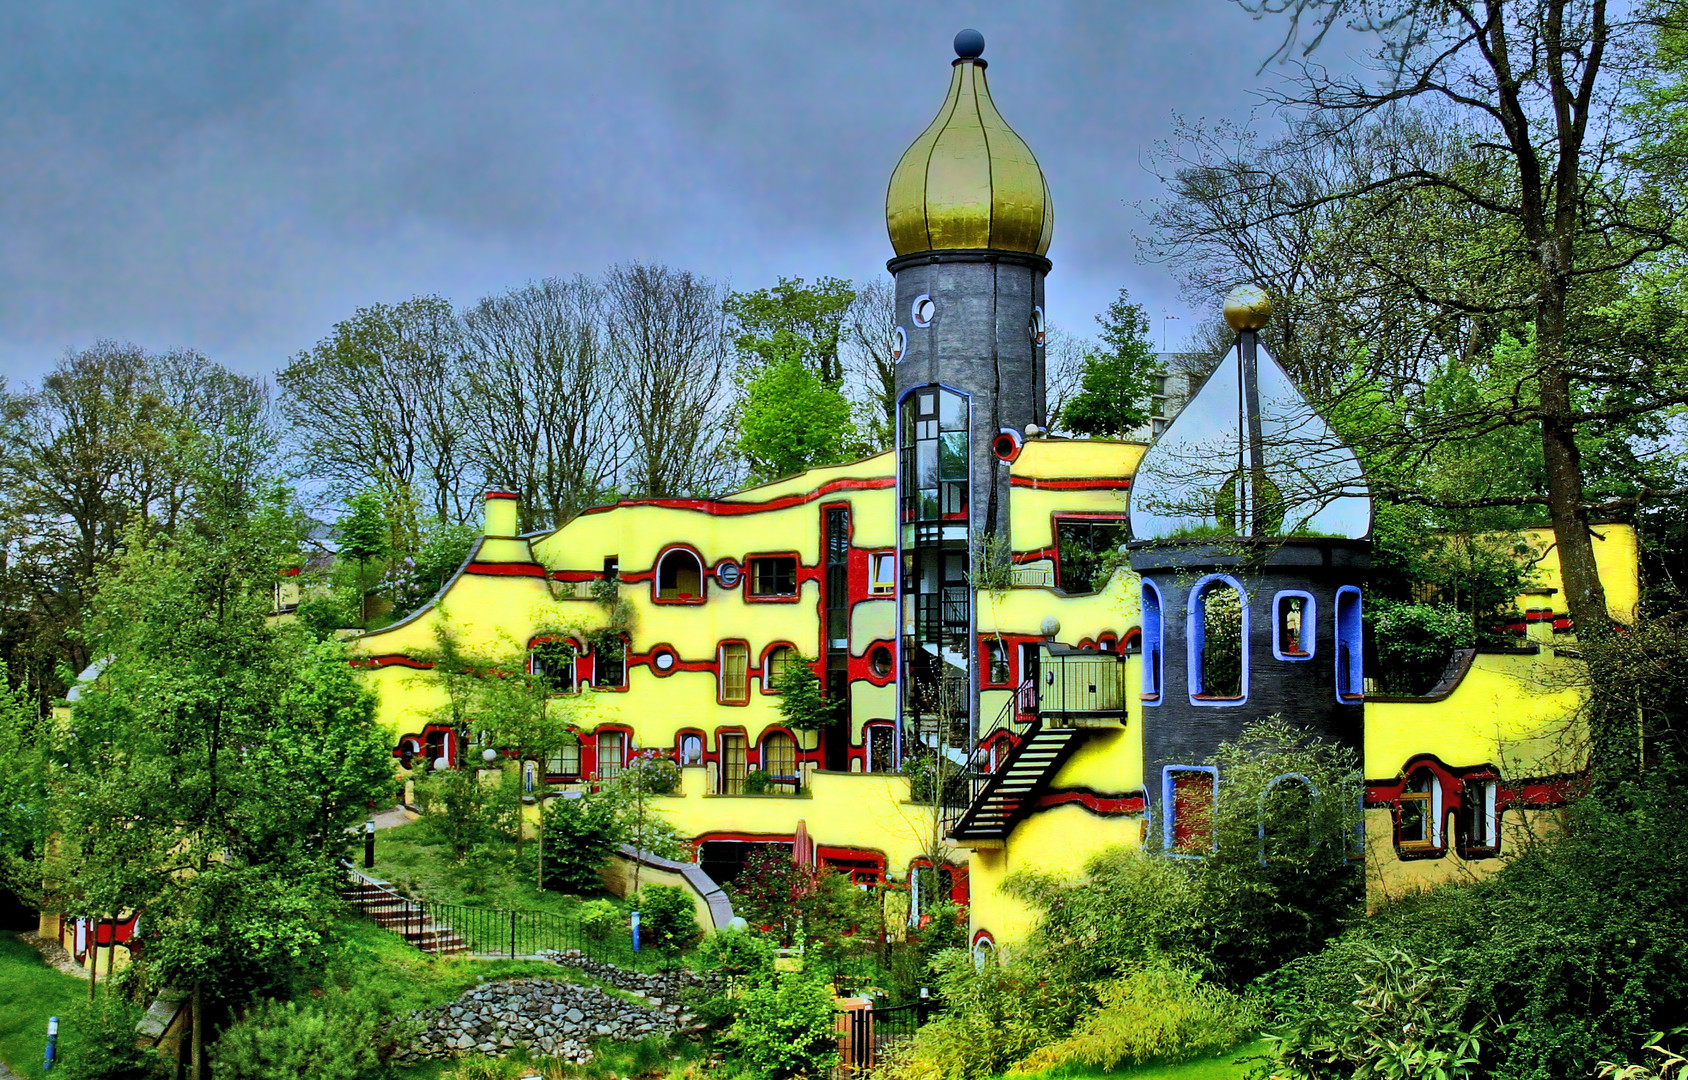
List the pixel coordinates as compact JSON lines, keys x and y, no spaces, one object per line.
{"x":667,"y":919}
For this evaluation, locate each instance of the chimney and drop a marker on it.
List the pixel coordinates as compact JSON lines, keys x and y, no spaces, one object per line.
{"x":500,"y":514}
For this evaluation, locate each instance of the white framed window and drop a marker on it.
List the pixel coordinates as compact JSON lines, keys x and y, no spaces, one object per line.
{"x":883,"y":573}
{"x":1480,"y":816}
{"x":1418,"y":812}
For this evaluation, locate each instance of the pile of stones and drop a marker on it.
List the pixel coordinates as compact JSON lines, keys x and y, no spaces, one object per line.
{"x":546,"y":1015}
{"x":667,"y":985}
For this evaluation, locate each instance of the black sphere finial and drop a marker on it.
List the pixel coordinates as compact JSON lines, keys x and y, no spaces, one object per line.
{"x":969,"y":44}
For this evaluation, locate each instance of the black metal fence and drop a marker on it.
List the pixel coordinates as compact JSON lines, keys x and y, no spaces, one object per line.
{"x":869,"y":1037}
{"x":443,"y":928}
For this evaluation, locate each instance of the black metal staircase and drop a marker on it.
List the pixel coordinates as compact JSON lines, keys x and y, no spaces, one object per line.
{"x":1079,"y":691}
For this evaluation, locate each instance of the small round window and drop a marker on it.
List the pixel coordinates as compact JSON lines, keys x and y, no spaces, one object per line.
{"x":879,"y":661}
{"x":664,"y":660}
{"x":923,"y":310}
{"x":899,"y":344}
{"x":1036,"y":329}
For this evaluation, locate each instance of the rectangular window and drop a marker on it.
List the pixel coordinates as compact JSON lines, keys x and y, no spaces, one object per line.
{"x":733,"y":764}
{"x":773,"y":576}
{"x":612,"y":568}
{"x":884,"y":573}
{"x":1159,"y":385}
{"x":881,"y":748}
{"x":1157,"y":407}
{"x":1294,"y":625}
{"x":779,"y":757}
{"x":553,"y":662}
{"x":612,"y":754}
{"x":610,"y":663}
{"x":1480,"y":815}
{"x":1085,"y":548}
{"x":735,"y":669}
{"x":565,"y":762}
{"x":1417,"y":812}
{"x":1190,"y":794}
{"x":996,"y":663}
{"x":1350,"y":678}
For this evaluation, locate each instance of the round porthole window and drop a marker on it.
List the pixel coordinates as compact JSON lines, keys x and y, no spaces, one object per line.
{"x":1006,"y":446}
{"x":727,"y":573}
{"x":1036,"y":328}
{"x":664,"y":661}
{"x":923,"y":310}
{"x":879,"y":661}
{"x":899,"y":344}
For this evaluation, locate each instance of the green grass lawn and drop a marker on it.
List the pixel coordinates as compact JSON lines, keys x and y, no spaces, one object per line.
{"x":30,"y":992}
{"x":421,"y":867}
{"x":1221,"y":1066}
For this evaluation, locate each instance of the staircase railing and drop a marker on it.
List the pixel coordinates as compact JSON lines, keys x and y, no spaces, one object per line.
{"x":959,"y":796}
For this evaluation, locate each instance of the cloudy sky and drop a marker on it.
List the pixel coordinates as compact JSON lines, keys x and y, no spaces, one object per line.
{"x":236,"y":178}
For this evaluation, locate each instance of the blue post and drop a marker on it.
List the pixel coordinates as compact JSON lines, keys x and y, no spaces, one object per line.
{"x":635,"y":931}
{"x":52,"y":1043}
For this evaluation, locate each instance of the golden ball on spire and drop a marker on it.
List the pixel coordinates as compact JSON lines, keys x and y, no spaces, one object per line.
{"x":1247,"y":307}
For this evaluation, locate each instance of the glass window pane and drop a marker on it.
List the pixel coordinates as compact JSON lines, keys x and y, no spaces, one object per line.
{"x":952,"y":463}
{"x":952,"y":411}
{"x":926,"y":464}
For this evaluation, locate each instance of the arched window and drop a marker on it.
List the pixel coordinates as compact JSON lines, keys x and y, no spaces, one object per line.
{"x":779,"y":761}
{"x":1218,"y":654}
{"x":691,"y":749}
{"x":1350,"y":657}
{"x":984,"y":949}
{"x":1295,"y":623}
{"x":679,"y":577}
{"x":1418,"y":814}
{"x":774,"y":665}
{"x":1288,"y":819}
{"x":1152,"y":643}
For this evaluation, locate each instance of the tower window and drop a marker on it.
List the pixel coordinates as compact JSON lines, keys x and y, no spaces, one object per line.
{"x":1190,"y":794}
{"x":1152,"y":643}
{"x":1218,"y":633}
{"x":773,"y":576}
{"x":679,"y":577}
{"x":1350,"y":670}
{"x":923,"y":309}
{"x":1294,"y":625}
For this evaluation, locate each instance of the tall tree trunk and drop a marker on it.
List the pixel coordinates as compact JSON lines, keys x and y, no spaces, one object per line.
{"x":196,"y":1063}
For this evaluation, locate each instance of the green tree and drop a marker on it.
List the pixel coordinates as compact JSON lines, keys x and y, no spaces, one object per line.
{"x":803,"y":705}
{"x":791,"y":419}
{"x":1114,"y":386}
{"x":176,"y":793}
{"x":364,"y":537}
{"x":792,"y":319}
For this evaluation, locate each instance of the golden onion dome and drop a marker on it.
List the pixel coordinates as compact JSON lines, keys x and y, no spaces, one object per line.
{"x":968,"y":181}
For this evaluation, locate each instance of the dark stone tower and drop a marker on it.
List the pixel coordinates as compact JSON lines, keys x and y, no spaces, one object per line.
{"x":969,"y":216}
{"x":1249,"y":522}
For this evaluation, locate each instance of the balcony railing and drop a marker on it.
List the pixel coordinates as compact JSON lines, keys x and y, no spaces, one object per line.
{"x":1080,"y":684}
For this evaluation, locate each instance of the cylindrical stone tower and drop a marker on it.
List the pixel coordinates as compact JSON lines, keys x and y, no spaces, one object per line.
{"x":969,"y":216}
{"x":1250,"y":522}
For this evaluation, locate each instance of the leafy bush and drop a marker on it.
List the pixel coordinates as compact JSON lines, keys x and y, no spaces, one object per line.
{"x":461,"y":812}
{"x":1413,"y":1017}
{"x":1157,"y":1013}
{"x":580,"y":836}
{"x":786,"y":1028}
{"x":667,"y":918}
{"x":322,"y":613}
{"x":279,"y":1041}
{"x":601,"y":920}
{"x":1579,"y":941}
{"x":996,"y":1014}
{"x":1231,"y":915}
{"x":103,"y":1047}
{"x":1415,"y":641}
{"x":738,"y":961}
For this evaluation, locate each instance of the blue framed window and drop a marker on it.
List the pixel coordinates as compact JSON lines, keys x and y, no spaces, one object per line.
{"x":1153,"y":643}
{"x":1217,"y":618}
{"x":1295,"y":625}
{"x":1292,"y":803}
{"x":1189,"y":801}
{"x":1350,"y":647}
